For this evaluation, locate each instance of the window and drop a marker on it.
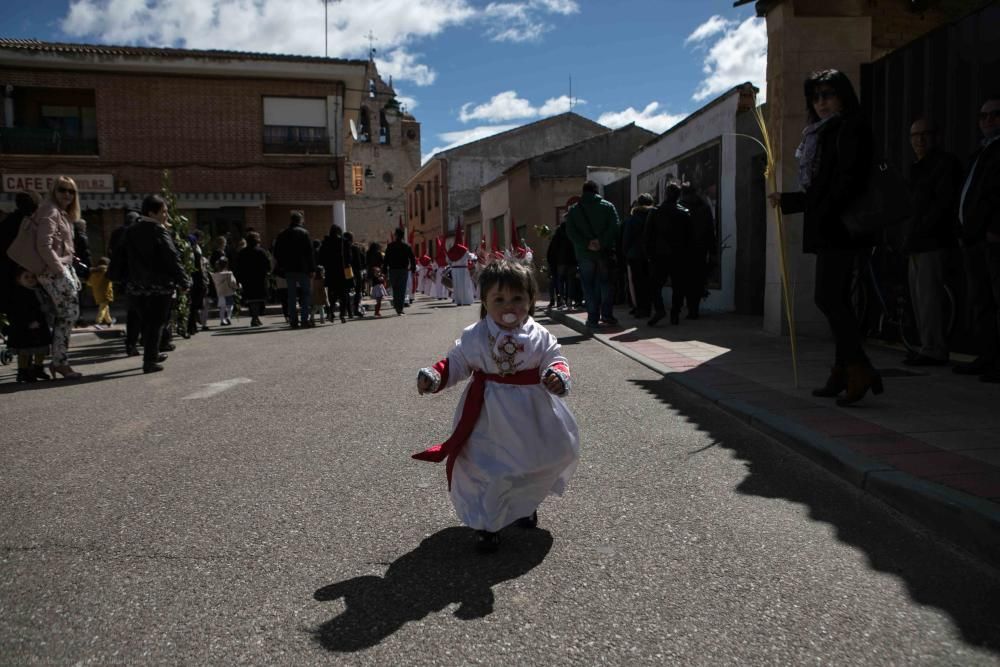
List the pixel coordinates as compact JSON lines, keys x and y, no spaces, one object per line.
{"x":50,"y":121}
{"x":383,"y":128}
{"x":295,"y":125}
{"x":437,"y":192}
{"x":473,"y":235}
{"x":365,"y":131}
{"x":498,"y":231}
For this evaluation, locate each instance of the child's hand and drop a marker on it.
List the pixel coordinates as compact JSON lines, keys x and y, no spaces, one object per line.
{"x":554,"y":384}
{"x":424,"y":383}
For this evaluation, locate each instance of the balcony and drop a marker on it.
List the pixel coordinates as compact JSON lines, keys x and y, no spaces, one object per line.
{"x":292,"y":140}
{"x":43,"y":141}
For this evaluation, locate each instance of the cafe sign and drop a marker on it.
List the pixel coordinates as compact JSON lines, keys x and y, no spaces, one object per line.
{"x":43,"y":182}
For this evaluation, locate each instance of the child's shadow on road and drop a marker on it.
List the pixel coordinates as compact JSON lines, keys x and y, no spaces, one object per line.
{"x":444,"y":569}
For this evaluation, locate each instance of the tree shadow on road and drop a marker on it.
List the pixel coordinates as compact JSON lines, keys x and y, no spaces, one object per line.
{"x":443,"y":570}
{"x":934,"y":574}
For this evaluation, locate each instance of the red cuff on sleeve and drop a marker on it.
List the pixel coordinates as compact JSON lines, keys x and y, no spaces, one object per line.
{"x":442,"y":368}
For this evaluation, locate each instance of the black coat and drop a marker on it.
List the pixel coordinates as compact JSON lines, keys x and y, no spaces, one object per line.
{"x":399,"y":255}
{"x":9,"y":228}
{"x":667,"y":232}
{"x":560,"y":251}
{"x":332,"y":255}
{"x":702,"y":242}
{"x":845,"y":156}
{"x":25,"y":310}
{"x":251,"y":270}
{"x":981,"y":206}
{"x":935,"y":183}
{"x":293,"y":251}
{"x":149,"y":260}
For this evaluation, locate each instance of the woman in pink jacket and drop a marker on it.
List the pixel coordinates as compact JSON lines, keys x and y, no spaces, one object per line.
{"x":54,"y":238}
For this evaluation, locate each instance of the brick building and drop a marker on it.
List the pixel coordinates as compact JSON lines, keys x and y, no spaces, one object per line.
{"x":448,"y":184}
{"x":247,"y":138}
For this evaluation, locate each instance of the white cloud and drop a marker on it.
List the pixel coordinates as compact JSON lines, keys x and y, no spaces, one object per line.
{"x":408,"y":102}
{"x":502,"y":106}
{"x":557,"y":105}
{"x":650,"y":118}
{"x":509,"y":106}
{"x":460,"y":137}
{"x":403,"y":66}
{"x":739,"y":55}
{"x":712,"y":26}
{"x":523,"y":20}
{"x":274,"y":26}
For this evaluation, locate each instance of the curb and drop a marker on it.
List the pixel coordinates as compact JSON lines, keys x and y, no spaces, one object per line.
{"x":968,"y":521}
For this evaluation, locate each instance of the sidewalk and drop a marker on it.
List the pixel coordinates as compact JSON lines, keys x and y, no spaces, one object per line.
{"x":929,"y":446}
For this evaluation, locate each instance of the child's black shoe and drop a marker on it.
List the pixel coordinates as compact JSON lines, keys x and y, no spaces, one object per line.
{"x":488,"y":542}
{"x":528,"y":521}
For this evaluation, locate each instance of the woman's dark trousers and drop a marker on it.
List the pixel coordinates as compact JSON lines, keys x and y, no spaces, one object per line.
{"x":834,"y":270}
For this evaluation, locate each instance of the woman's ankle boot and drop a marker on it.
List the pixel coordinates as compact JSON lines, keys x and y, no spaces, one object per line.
{"x":836,"y":383}
{"x":860,"y":378}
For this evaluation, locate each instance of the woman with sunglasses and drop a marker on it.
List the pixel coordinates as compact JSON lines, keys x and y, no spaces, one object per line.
{"x":834,"y":158}
{"x":59,"y":280}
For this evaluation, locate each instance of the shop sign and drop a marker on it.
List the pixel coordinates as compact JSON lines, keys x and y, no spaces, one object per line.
{"x":43,"y":182}
{"x":358,"y":178}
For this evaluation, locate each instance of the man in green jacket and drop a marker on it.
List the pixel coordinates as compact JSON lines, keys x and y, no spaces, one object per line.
{"x":592,"y":226}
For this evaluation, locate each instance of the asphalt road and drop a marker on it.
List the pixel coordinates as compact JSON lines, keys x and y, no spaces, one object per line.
{"x":277,"y":518}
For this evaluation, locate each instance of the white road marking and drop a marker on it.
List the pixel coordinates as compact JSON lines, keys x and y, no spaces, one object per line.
{"x":217,"y":388}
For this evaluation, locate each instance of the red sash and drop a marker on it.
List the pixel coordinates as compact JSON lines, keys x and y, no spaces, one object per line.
{"x":450,"y":448}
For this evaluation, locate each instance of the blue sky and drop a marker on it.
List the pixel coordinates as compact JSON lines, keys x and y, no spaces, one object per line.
{"x":464,"y":68}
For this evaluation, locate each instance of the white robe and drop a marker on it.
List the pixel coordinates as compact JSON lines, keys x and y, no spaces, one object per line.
{"x":525,"y":445}
{"x":461,"y":291}
{"x":439,"y":291}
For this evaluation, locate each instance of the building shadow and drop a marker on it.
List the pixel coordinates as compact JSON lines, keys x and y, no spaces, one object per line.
{"x":934,"y":573}
{"x":444,"y":569}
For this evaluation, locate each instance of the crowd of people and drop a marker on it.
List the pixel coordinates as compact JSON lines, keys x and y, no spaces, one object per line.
{"x":45,"y":262}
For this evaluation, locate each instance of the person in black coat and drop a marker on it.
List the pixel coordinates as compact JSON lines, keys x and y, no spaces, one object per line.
{"x":296,"y":263}
{"x":703,"y":248}
{"x":252,"y":269}
{"x":979,"y":217}
{"x":356,"y":259}
{"x":666,"y":235}
{"x":634,"y":251}
{"x":11,"y":225}
{"x":132,"y":323}
{"x":561,"y":258}
{"x":834,"y":159}
{"x":28,"y":334}
{"x":153,"y":272}
{"x":333,"y":257}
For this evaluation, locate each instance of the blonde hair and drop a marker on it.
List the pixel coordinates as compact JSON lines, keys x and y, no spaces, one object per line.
{"x":73,"y":211}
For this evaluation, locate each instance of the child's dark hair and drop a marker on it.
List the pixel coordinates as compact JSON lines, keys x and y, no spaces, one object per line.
{"x":222,"y":263}
{"x":504,"y":273}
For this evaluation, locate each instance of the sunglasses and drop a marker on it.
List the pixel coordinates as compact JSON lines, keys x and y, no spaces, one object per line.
{"x":66,"y":191}
{"x":823,"y":95}
{"x":989,"y":115}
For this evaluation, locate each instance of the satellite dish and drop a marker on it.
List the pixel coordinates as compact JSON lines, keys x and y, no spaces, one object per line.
{"x":354,"y":129}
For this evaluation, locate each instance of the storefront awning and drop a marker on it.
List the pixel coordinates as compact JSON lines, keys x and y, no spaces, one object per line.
{"x":133,"y":200}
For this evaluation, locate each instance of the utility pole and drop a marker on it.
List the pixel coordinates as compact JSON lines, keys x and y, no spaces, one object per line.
{"x":570,"y":92}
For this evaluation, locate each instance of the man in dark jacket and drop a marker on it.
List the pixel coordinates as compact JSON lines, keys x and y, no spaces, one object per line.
{"x":666,"y":235}
{"x":356,"y":259}
{"x":592,"y":226}
{"x":979,"y":217}
{"x":154,"y":269}
{"x":293,"y":253}
{"x":400,"y":262}
{"x":935,"y":180}
{"x":702,"y":248}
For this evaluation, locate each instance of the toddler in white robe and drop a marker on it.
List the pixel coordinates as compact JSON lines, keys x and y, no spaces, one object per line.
{"x":515,"y":441}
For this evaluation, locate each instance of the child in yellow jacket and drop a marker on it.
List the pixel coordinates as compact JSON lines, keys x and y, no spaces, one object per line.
{"x":100,"y":287}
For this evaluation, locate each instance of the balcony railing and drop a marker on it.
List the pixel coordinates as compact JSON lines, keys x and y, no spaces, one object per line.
{"x":43,"y":141}
{"x":296,"y":140}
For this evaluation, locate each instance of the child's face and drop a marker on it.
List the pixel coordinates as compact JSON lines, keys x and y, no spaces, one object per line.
{"x":27,"y":279}
{"x":508,"y":307}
